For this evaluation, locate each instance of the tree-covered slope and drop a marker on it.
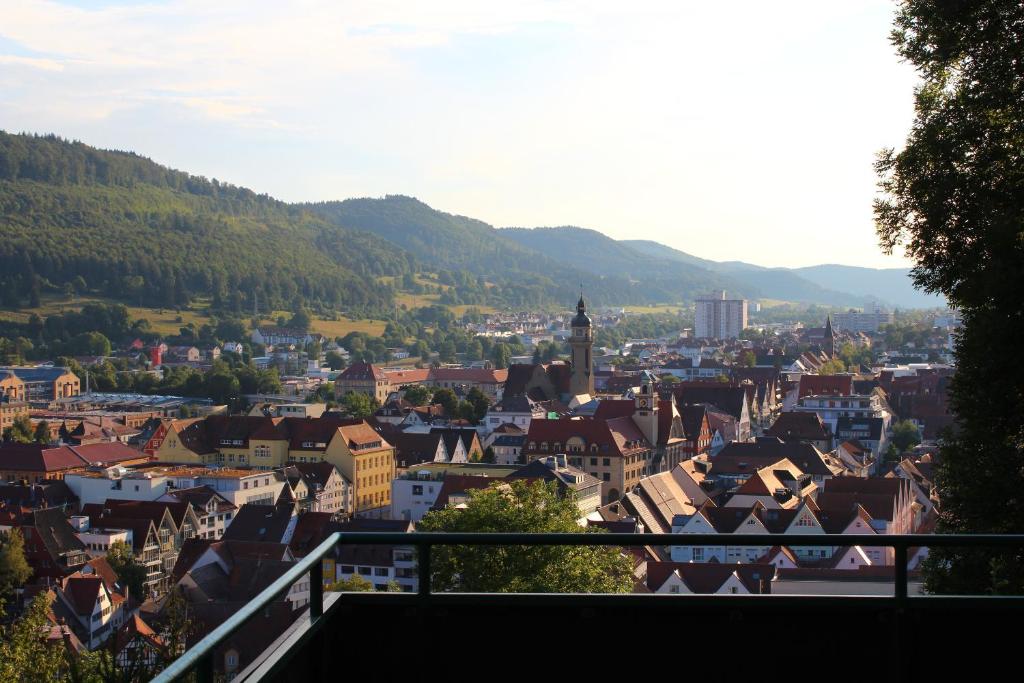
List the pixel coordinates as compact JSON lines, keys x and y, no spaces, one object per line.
{"x":123,"y":226}
{"x":663,"y":278}
{"x":483,"y":263}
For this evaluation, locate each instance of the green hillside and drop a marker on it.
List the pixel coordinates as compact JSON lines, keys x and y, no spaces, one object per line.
{"x":483,"y":263}
{"x":118,"y":225}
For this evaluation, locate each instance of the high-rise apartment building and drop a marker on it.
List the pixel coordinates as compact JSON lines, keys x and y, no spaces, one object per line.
{"x":720,"y":318}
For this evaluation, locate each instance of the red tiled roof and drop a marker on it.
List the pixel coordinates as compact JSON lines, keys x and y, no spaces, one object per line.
{"x":82,"y":592}
{"x":362,"y":372}
{"x":826,"y":385}
{"x":476,"y":375}
{"x":36,"y":458}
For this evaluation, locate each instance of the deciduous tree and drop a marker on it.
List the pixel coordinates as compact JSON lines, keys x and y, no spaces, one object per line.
{"x":953,"y":197}
{"x":526,"y":508}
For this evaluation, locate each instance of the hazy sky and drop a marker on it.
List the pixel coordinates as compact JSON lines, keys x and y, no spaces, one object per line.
{"x":738,"y":130}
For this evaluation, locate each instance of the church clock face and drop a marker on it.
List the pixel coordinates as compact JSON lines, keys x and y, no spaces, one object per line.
{"x":643,"y":403}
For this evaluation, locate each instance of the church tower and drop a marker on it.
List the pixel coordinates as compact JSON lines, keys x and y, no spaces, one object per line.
{"x":829,"y":342}
{"x":581,"y":342}
{"x":645,"y":407}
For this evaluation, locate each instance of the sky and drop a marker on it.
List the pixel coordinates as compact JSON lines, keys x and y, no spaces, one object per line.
{"x":732,"y":131}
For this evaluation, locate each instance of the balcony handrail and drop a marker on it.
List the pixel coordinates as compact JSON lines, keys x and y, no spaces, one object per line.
{"x":200,"y":656}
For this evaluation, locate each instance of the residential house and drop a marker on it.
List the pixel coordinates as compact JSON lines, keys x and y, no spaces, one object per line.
{"x":731,"y":400}
{"x":416,"y":490}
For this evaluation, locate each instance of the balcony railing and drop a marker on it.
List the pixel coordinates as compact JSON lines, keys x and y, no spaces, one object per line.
{"x":200,"y":658}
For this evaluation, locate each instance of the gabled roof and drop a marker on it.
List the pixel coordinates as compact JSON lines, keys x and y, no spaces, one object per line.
{"x":693,"y":416}
{"x":413,"y":448}
{"x":55,"y":532}
{"x":799,"y":426}
{"x":311,"y":529}
{"x":702,"y":577}
{"x":362,"y":372}
{"x":729,"y":399}
{"x":804,"y":455}
{"x":81,"y":593}
{"x":266,"y":523}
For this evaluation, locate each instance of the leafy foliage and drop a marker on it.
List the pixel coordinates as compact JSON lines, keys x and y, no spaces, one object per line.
{"x":954,"y":197}
{"x":526,"y":508}
{"x":129,"y":571}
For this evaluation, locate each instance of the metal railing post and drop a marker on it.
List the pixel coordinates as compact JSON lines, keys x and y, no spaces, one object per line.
{"x":316,"y":590}
{"x":423,"y":570}
{"x":901,"y":572}
{"x":204,"y":669}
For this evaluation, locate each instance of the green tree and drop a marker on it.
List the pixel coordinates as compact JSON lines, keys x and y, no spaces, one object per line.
{"x":356,"y":584}
{"x":479,"y":403}
{"x":25,"y":657}
{"x":334,"y":360}
{"x":501,"y":355}
{"x":20,"y":431}
{"x":129,"y":571}
{"x":41,"y":434}
{"x":417,"y":395}
{"x":953,"y":198}
{"x":14,"y":567}
{"x":525,"y":508}
{"x":359,"y":405}
{"x":905,"y":435}
{"x":448,"y":400}
{"x":747,"y":359}
{"x":832,"y":367}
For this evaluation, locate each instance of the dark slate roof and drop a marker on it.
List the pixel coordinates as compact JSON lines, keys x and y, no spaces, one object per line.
{"x":46,"y":494}
{"x":799,"y":426}
{"x":266,"y":523}
{"x":39,"y":374}
{"x":728,"y":399}
{"x":56,"y":532}
{"x":859,"y":428}
{"x":766,"y":450}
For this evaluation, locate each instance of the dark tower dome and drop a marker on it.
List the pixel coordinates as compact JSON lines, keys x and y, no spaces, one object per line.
{"x":581,"y":319}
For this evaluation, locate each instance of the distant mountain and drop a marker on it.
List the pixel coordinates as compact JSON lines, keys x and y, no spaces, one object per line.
{"x":600,"y":255}
{"x":482,"y":263}
{"x":826,"y":284}
{"x":889,"y":285}
{"x":73,"y":217}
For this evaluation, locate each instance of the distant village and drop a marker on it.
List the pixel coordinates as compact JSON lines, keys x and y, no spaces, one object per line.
{"x":720,"y":429}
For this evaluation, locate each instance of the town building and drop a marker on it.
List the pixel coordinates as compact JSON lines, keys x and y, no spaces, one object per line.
{"x":44,"y":384}
{"x":415,"y":491}
{"x":36,"y":463}
{"x":719,"y":318}
{"x":863,"y":321}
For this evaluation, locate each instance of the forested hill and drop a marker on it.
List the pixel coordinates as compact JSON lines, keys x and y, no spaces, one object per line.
{"x":484,"y":264}
{"x":123,"y":226}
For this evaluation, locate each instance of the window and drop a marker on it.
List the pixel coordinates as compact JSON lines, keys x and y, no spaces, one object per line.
{"x":380,"y":571}
{"x":364,"y":571}
{"x":606,"y":476}
{"x":698,"y":554}
{"x":593,"y":462}
{"x":417,"y":490}
{"x":347,"y":569}
{"x":606,"y":462}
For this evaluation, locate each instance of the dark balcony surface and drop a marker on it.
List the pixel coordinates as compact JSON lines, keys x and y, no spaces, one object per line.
{"x":450,"y":636}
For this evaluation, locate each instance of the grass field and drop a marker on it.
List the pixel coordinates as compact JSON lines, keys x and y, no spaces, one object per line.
{"x":772,"y":303}
{"x":165,"y":321}
{"x":342,"y":326}
{"x":666,"y":308}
